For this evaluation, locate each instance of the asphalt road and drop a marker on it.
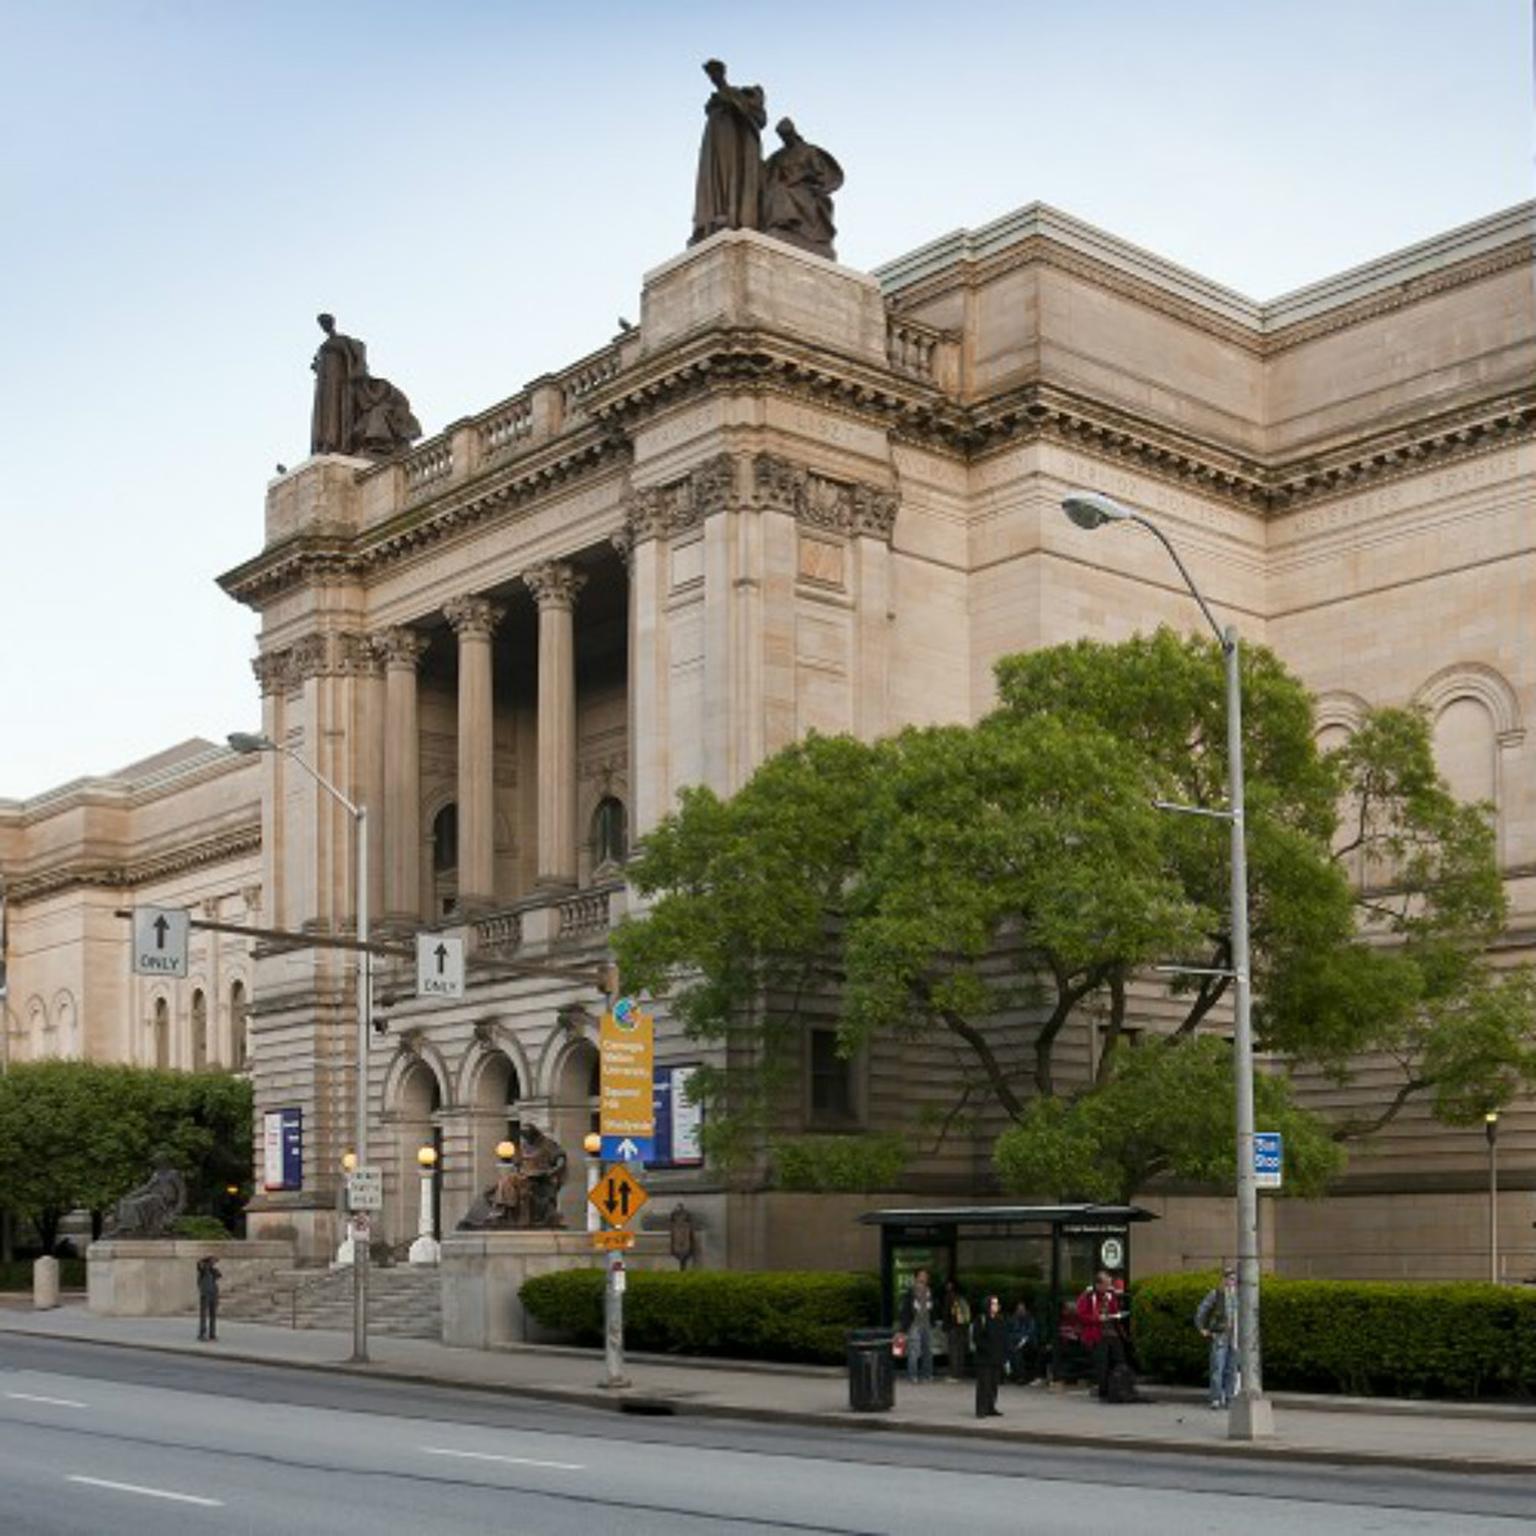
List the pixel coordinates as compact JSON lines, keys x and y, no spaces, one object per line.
{"x":95,"y":1440}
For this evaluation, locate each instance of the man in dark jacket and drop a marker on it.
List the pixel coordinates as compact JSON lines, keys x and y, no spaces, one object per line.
{"x":989,"y":1334}
{"x":208,"y":1278}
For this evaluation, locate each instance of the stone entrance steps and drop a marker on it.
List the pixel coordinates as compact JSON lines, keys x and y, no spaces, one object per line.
{"x":403,"y":1300}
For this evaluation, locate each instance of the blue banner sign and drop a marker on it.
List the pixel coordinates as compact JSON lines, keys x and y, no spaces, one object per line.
{"x":1268,"y":1159}
{"x":283,"y":1148}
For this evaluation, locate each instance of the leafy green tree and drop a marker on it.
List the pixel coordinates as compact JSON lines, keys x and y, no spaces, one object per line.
{"x":949,"y":878}
{"x":76,"y":1134}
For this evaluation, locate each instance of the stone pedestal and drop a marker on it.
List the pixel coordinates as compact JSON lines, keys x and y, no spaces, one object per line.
{"x":157,"y":1277}
{"x":484,"y":1271}
{"x":45,"y":1284}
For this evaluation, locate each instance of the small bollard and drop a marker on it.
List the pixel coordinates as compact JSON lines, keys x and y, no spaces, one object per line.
{"x":45,"y":1284}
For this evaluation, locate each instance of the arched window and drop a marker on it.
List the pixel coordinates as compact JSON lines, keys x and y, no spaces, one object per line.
{"x":610,"y":833}
{"x":160,"y":1045}
{"x":199,"y":1030}
{"x":239,"y":1028}
{"x":445,"y":859}
{"x":445,"y":840}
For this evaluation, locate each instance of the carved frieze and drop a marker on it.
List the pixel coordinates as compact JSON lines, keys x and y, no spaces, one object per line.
{"x":554,"y":583}
{"x":658,"y":511}
{"x":822,"y":501}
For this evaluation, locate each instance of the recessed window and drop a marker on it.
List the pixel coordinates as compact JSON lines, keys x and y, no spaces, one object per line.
{"x":610,"y":832}
{"x":831,"y":1077}
{"x":445,"y":840}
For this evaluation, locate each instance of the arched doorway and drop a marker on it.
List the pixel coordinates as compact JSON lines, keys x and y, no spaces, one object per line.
{"x":239,"y":1028}
{"x":573,"y":1112}
{"x":417,"y":1111}
{"x":494,"y":1106}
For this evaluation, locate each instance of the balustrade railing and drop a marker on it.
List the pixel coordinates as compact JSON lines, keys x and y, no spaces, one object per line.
{"x":910,"y":348}
{"x":583,"y":914}
{"x":428,"y":467}
{"x":502,"y":931}
{"x":587,"y":377}
{"x":506,"y":428}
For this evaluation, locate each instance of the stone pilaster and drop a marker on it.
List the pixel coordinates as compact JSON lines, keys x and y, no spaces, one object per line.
{"x":554,"y":585}
{"x":402,"y":650}
{"x":474,"y":621}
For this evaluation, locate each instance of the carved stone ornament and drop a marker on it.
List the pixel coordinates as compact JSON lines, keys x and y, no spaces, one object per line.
{"x":311,"y":656}
{"x":473,"y":616}
{"x":356,"y":656}
{"x":842,"y":506}
{"x":274,"y":671}
{"x":658,"y":511}
{"x":554,"y":583}
{"x":401,"y":646}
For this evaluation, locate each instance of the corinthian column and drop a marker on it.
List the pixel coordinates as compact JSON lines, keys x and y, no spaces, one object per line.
{"x":474,"y":621}
{"x":402,"y":651}
{"x":554,"y":586}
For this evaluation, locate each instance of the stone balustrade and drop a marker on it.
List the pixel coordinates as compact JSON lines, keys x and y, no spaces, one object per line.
{"x":499,"y":931}
{"x":588,"y":376}
{"x":585,"y":914}
{"x":912,"y":348}
{"x":429,"y":467}
{"x":505,"y":428}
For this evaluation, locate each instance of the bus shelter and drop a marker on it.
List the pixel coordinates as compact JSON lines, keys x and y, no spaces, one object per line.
{"x":1044,"y":1255}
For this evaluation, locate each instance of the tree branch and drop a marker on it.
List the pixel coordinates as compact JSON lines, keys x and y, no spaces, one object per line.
{"x":1067,"y":998}
{"x":1352,"y":1130}
{"x":974,"y":1038}
{"x":1116,"y":1027}
{"x":1212,"y":990}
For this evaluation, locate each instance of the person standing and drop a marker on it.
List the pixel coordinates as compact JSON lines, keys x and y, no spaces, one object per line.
{"x":1098,"y":1318}
{"x":208,"y":1277}
{"x":1216,"y":1318}
{"x":917,"y":1324}
{"x":991,"y":1340}
{"x":957,"y":1329}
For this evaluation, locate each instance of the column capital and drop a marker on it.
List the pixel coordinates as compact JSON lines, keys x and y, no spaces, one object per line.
{"x":473,"y":616}
{"x":401,"y":647}
{"x":554,"y":583}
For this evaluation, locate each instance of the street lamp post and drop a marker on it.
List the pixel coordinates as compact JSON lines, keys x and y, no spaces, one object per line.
{"x":248,"y":742}
{"x":1491,"y":1130}
{"x":1252,"y":1414}
{"x":425,"y":1250}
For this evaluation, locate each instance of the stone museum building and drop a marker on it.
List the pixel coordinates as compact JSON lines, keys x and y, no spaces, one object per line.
{"x":799,"y":497}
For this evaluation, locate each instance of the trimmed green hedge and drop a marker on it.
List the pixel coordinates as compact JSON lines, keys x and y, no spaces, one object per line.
{"x":1368,"y":1338}
{"x":17,"y":1275}
{"x":741,"y":1314}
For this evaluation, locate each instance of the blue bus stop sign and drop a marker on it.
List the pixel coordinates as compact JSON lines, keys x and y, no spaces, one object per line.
{"x":1268,"y":1159}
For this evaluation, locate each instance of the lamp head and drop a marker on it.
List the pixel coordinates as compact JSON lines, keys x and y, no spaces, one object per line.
{"x":426,"y":1156}
{"x":591,"y":1143}
{"x":1491,"y":1126}
{"x":248,"y":741}
{"x":1092,"y":509}
{"x":506,"y":1151}
{"x":349,"y":1162}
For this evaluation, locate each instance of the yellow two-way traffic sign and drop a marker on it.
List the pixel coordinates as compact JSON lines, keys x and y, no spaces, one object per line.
{"x":618,"y":1196}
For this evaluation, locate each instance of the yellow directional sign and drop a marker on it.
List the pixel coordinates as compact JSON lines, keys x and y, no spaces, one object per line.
{"x":618,"y":1196}
{"x":612,"y":1240}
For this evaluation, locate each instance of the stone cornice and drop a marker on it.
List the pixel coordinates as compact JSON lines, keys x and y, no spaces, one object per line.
{"x":71,"y":873}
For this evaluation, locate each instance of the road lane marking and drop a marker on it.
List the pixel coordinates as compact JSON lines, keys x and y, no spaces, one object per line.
{"x":512,"y":1461}
{"x":149,"y":1493}
{"x":32,"y":1397}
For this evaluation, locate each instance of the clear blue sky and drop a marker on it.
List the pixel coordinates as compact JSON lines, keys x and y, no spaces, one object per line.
{"x":475,"y":189}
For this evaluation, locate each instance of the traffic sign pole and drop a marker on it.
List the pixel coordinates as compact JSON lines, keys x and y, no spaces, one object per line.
{"x":613,"y":1284}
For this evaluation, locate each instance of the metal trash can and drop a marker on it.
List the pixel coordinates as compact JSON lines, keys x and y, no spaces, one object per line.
{"x":871,"y":1371}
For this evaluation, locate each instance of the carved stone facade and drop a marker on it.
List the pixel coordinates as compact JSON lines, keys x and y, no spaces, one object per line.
{"x":798,"y":497}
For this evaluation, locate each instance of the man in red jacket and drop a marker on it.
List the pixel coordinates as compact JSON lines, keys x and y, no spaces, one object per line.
{"x":1100,"y":1316}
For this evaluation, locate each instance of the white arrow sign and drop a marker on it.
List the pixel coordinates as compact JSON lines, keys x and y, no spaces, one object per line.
{"x":159,"y":941}
{"x":439,"y":966}
{"x":627,"y":1150}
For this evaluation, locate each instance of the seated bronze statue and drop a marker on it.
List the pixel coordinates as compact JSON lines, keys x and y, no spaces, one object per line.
{"x":151,"y":1209}
{"x":526,"y":1193}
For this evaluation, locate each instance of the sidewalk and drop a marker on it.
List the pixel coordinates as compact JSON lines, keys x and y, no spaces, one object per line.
{"x":1442,"y":1437}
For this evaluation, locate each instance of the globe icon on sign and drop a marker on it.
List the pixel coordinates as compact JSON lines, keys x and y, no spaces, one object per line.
{"x":625,"y":1013}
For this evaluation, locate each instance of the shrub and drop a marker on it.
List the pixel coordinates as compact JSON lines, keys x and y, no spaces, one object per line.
{"x":1399,"y":1339}
{"x":742,"y":1314}
{"x":17,"y":1275}
{"x":859,"y":1164}
{"x":208,"y":1229}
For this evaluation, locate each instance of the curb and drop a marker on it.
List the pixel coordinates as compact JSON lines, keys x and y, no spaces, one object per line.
{"x":640,"y":1402}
